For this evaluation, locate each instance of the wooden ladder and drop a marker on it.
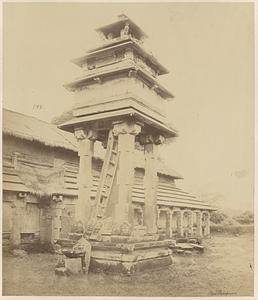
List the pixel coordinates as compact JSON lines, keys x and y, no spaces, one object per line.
{"x":107,"y":175}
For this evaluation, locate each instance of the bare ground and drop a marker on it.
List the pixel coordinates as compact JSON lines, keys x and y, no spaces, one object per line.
{"x":224,"y":269}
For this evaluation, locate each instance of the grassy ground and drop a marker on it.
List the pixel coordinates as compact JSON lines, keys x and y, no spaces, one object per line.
{"x":224,"y":269}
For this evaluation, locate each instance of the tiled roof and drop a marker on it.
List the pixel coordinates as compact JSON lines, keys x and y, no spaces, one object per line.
{"x":167,"y":194}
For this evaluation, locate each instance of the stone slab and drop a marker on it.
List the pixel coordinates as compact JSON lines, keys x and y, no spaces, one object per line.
{"x":128,"y":268}
{"x":62,"y":271}
{"x":73,"y":265}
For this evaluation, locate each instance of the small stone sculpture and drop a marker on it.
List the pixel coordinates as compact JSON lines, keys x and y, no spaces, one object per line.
{"x":125,"y":31}
{"x":83,"y":246}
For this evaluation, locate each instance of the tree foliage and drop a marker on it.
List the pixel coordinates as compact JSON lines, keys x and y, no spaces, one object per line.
{"x":246,"y":217}
{"x":217,"y":217}
{"x":64,"y":117}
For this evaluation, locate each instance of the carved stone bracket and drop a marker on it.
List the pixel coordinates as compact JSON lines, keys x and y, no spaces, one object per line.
{"x":126,"y":128}
{"x":132,"y":73}
{"x":97,"y":79}
{"x":82,"y":133}
{"x":159,"y":139}
{"x":156,"y":139}
{"x":22,"y":195}
{"x":146,"y":139}
{"x":57,"y":198}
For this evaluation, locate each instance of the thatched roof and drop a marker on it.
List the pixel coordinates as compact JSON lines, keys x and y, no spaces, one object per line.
{"x":33,"y":129}
{"x":42,"y":181}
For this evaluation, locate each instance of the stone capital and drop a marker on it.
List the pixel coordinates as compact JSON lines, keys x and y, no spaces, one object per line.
{"x":159,"y":139}
{"x":126,"y":128}
{"x":146,"y":139}
{"x":132,"y":73}
{"x":82,"y":133}
{"x":206,"y":212}
{"x":156,"y":139}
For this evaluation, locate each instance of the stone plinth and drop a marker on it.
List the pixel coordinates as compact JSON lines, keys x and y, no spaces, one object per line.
{"x":73,"y":265}
{"x":129,"y":258}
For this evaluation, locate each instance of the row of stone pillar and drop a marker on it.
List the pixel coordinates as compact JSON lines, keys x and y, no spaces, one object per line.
{"x":202,"y":222}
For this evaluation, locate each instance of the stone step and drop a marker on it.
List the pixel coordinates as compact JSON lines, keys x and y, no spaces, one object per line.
{"x":198,"y":247}
{"x":66,"y":242}
{"x":75,"y":236}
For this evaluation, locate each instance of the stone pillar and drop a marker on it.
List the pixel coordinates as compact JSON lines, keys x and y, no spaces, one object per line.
{"x":199,"y":223}
{"x":16,"y":223}
{"x":83,"y":207}
{"x":190,"y":222}
{"x":126,"y":132}
{"x":207,"y":224}
{"x":169,"y":231}
{"x":180,"y":221}
{"x":57,"y":218}
{"x":151,"y":143}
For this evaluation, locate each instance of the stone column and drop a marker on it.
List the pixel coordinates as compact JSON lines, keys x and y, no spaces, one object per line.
{"x":169,"y":232}
{"x":16,"y":223}
{"x":126,"y":132}
{"x":190,"y":222}
{"x":199,"y":223}
{"x":180,"y":221}
{"x":207,"y":224}
{"x":86,"y":139}
{"x":151,"y":143}
{"x":56,"y":220}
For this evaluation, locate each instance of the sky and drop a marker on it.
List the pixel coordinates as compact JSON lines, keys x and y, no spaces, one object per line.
{"x":208,"y":49}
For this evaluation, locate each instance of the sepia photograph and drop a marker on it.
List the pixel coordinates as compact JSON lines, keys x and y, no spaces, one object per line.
{"x":128,"y":149}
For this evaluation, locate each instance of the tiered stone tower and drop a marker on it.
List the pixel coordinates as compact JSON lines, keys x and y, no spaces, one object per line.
{"x":120,"y":102}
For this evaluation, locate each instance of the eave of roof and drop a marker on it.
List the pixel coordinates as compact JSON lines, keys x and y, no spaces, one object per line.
{"x":119,"y":44}
{"x":125,"y":112}
{"x":117,"y":68}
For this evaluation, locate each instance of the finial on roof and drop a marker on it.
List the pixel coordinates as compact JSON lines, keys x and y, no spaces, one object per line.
{"x":122,"y":16}
{"x":124,"y":27}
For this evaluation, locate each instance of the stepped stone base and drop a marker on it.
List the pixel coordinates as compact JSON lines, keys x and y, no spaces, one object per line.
{"x":130,"y":258}
{"x":127,"y":257}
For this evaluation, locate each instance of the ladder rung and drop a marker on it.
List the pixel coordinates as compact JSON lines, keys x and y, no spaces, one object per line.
{"x":112,"y":162}
{"x":109,"y":173}
{"x":114,"y":151}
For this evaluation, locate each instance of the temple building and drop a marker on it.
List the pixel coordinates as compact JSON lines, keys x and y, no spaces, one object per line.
{"x":40,"y":170}
{"x":99,"y":174}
